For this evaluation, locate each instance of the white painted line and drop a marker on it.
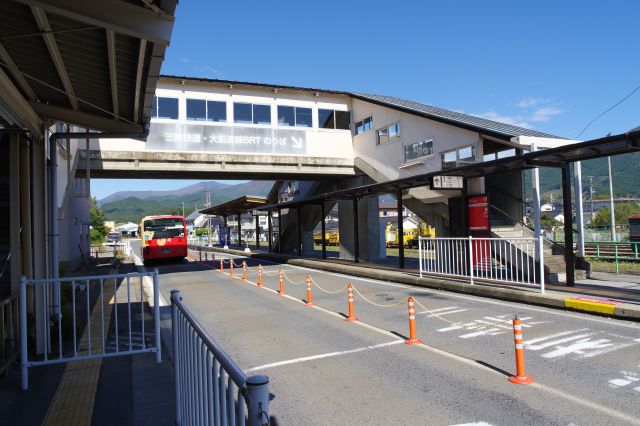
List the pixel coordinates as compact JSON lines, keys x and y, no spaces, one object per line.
{"x":148,"y":283}
{"x":475,"y":424}
{"x":621,"y":382}
{"x":453,"y":327}
{"x":441,"y":314}
{"x":321,"y":356}
{"x":614,"y":347}
{"x":637,"y":389}
{"x":578,"y":347}
{"x":479,"y":333}
{"x":558,"y":342}
{"x":553,"y":336}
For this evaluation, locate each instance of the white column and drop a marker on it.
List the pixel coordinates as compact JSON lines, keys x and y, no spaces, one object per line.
{"x":536,"y":198}
{"x":577,"y":173}
{"x":611,"y":206}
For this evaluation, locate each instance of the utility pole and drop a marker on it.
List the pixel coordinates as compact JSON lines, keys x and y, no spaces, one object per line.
{"x":611,"y":206}
{"x":183,"y":208}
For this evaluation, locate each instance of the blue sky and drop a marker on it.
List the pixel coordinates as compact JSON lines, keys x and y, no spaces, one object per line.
{"x":548,"y":65}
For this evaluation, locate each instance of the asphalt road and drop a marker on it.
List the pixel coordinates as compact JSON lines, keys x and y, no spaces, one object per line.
{"x":324,"y":370}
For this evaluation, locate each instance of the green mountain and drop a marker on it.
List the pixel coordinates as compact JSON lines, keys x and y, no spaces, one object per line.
{"x":626,"y":179}
{"x":132,"y":208}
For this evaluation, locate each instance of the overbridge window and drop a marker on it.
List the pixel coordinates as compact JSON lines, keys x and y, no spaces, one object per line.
{"x":332,"y":119}
{"x":459,"y":157}
{"x":419,"y":149}
{"x":294,"y":116}
{"x":201,"y":110}
{"x":389,"y":133}
{"x":244,"y":113}
{"x":363,"y":125}
{"x":166,"y":108}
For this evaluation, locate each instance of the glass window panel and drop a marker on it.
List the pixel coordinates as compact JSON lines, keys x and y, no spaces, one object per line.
{"x":262,"y":114}
{"x":448,"y":159}
{"x":466,"y":154}
{"x":343,"y":120}
{"x":367,"y":124}
{"x":394,"y":131}
{"x":507,"y":153}
{"x":383,"y":135}
{"x":325,"y":119}
{"x":419,"y":149}
{"x":359,"y":127}
{"x":242,"y":113}
{"x":217,"y":111}
{"x":303,"y":117}
{"x":154,"y":108}
{"x":168,"y":108}
{"x":196,"y":109}
{"x":286,"y":116}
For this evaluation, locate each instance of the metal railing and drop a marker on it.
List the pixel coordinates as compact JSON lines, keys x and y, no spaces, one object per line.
{"x":9,"y":331}
{"x":99,"y":316}
{"x":210,"y":388}
{"x":496,"y":260}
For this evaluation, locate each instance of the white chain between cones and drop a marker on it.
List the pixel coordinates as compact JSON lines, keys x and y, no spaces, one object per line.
{"x":469,"y":326}
{"x":402,"y":302}
{"x":327,"y":291}
{"x":284,"y":274}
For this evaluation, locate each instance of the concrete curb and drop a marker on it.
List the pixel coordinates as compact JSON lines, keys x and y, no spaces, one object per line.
{"x":551,"y":299}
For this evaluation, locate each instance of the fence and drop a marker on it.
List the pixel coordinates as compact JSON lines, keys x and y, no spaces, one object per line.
{"x":502,"y":260}
{"x":210,"y":388}
{"x":110,"y":307}
{"x":9,"y":331}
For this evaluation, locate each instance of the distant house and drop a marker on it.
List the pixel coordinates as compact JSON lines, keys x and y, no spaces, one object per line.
{"x":555,"y":214}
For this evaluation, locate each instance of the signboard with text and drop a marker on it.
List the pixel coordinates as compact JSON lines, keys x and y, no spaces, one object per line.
{"x":447,"y":182}
{"x":478,"y":213}
{"x":199,"y":137}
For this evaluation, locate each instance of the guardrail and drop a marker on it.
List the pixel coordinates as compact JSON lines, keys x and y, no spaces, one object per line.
{"x":496,"y":260}
{"x":9,"y":331}
{"x":210,"y":387}
{"x":94,"y":301}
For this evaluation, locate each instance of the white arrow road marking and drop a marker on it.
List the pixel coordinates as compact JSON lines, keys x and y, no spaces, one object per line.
{"x":578,"y":347}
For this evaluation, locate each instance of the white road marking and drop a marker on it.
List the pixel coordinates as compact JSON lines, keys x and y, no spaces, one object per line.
{"x":479,"y":333}
{"x":623,"y":382}
{"x":475,"y":424}
{"x":559,"y":341}
{"x":321,"y":356}
{"x":553,"y":336}
{"x":578,"y":347}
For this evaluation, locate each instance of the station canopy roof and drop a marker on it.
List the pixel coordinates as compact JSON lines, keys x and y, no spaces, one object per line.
{"x":238,"y":206}
{"x":94,"y":64}
{"x":554,"y":157}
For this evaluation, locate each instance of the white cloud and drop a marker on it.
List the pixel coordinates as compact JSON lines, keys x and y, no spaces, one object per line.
{"x":532,"y":102}
{"x":545,"y":114}
{"x":209,"y":72}
{"x":515,"y":120}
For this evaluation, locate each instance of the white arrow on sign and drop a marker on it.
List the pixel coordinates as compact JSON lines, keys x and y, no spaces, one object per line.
{"x":297,"y":142}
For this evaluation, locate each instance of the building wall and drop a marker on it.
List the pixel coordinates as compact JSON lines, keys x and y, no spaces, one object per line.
{"x":388,"y":157}
{"x":328,"y":143}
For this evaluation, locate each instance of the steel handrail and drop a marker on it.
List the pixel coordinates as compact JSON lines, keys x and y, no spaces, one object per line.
{"x":90,"y":277}
{"x":231,"y":368}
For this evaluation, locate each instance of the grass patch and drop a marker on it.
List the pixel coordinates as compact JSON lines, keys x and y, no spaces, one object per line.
{"x":624,"y":267}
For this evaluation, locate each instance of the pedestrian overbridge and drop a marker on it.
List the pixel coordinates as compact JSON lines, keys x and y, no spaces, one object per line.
{"x":135,"y":159}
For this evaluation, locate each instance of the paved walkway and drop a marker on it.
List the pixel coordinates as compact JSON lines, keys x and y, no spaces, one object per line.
{"x":125,"y":390}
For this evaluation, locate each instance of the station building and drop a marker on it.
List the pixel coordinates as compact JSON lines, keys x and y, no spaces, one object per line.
{"x":314,"y":141}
